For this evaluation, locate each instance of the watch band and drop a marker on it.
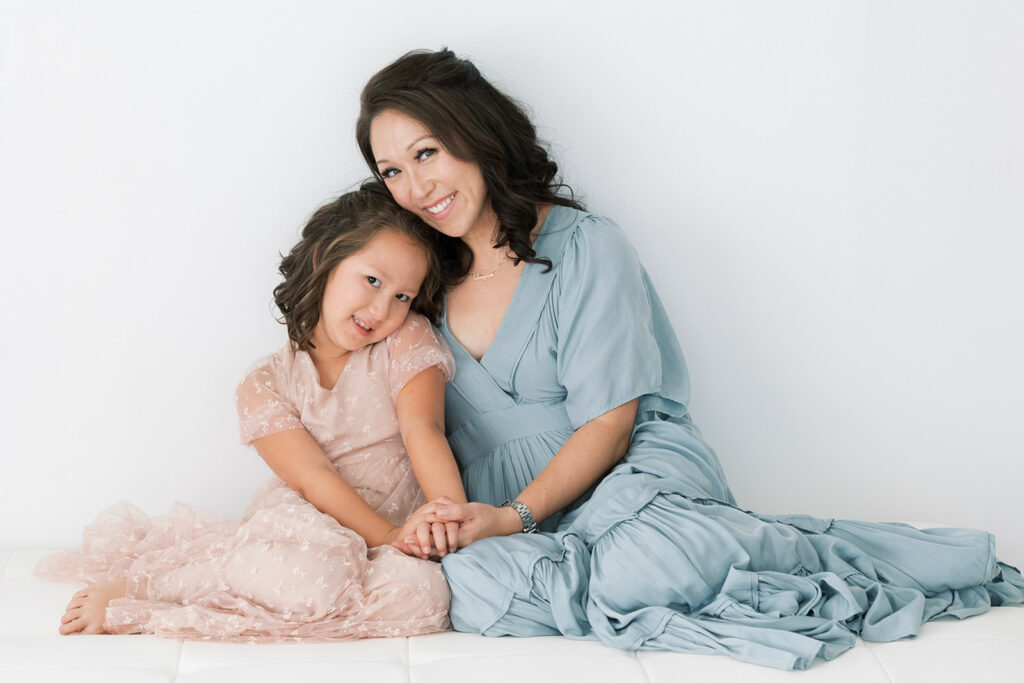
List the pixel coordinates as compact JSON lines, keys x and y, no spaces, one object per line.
{"x":529,"y":525}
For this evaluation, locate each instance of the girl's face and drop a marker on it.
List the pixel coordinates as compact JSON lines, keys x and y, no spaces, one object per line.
{"x":446,"y":192}
{"x":368,"y":295}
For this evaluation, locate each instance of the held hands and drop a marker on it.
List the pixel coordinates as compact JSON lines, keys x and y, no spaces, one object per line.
{"x":442,"y":526}
{"x":425,"y":535}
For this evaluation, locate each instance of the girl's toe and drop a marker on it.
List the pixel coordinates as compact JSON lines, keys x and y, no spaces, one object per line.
{"x":71,"y":626}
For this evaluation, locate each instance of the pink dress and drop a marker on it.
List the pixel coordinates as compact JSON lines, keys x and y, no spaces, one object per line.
{"x":286,"y":570}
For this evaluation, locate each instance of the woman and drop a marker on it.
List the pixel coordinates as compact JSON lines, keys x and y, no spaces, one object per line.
{"x":568,"y":415}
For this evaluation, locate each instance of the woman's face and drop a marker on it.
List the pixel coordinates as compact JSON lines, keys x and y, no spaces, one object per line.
{"x":446,"y":192}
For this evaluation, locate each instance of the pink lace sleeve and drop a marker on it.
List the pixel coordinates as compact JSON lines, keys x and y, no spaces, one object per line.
{"x":262,"y":408}
{"x":415,"y":347}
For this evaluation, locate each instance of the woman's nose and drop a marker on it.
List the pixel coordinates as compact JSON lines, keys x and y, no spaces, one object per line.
{"x":420,"y":185}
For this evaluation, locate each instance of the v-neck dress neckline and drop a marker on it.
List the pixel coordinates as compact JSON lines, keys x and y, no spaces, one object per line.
{"x":528,"y":300}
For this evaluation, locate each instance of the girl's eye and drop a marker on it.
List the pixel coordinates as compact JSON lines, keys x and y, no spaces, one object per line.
{"x":374,"y":282}
{"x":388,"y":173}
{"x":425,"y":153}
{"x":404,"y":298}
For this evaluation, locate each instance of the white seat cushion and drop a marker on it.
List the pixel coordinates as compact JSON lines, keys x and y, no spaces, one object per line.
{"x":989,"y":646}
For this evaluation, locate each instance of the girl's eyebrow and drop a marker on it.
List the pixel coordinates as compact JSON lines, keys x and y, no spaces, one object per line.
{"x":409,"y":146}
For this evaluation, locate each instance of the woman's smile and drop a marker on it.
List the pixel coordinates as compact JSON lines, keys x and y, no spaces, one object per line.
{"x":439,"y":208}
{"x":447,"y":192}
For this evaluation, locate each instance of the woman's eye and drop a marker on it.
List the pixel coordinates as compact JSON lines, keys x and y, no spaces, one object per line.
{"x":388,"y":173}
{"x":374,"y":282}
{"x":404,"y":298}
{"x":425,"y":154}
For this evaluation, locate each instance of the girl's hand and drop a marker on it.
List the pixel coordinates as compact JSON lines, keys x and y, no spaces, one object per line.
{"x":479,"y":520}
{"x":424,"y":535}
{"x":433,"y":540}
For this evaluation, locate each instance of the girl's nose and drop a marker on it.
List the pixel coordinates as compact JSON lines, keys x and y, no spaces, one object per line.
{"x":380,"y":307}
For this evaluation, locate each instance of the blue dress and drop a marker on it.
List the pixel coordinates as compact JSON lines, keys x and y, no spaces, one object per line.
{"x":657,"y":555}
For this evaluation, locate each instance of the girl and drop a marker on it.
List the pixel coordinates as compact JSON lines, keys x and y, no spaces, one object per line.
{"x":329,"y":413}
{"x":598,"y":510}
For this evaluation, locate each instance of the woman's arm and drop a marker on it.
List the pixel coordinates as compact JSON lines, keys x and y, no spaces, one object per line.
{"x":299,"y":461}
{"x":598,"y":279}
{"x":588,"y":454}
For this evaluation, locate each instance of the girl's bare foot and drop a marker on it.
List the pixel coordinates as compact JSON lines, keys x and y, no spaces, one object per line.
{"x":88,"y":608}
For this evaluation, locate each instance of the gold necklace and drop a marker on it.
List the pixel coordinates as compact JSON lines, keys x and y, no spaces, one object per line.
{"x":485,"y":276}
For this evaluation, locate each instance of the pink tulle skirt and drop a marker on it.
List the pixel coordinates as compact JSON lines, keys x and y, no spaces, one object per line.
{"x":285,"y":572}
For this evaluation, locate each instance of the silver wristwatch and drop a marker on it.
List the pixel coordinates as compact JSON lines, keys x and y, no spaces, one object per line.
{"x":529,"y":525}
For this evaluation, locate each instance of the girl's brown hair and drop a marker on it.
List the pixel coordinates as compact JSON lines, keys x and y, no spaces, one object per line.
{"x":336,"y":231}
{"x":475,"y":122}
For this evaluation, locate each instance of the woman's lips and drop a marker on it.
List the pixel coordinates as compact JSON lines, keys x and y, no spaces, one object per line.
{"x":443,"y":207}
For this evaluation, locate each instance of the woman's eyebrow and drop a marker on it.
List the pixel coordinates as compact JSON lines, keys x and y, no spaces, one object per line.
{"x":419,"y":140}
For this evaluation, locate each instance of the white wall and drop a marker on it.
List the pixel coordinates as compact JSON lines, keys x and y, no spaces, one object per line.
{"x":828,"y":196}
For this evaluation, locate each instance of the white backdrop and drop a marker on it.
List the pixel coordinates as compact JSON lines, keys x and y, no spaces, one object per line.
{"x":828,"y":196}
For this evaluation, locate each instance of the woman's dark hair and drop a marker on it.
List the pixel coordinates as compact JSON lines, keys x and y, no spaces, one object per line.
{"x":473,"y":121}
{"x":336,"y":231}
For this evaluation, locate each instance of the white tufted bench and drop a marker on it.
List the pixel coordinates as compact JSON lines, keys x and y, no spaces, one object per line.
{"x":989,"y":647}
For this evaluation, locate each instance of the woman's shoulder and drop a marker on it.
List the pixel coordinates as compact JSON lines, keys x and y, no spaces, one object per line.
{"x":581,"y":237}
{"x":569,"y":219}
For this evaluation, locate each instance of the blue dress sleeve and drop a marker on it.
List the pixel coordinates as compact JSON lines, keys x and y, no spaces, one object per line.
{"x":607,"y":350}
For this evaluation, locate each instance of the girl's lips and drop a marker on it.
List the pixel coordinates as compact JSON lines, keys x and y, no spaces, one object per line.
{"x":446,"y":206}
{"x":359,"y":325}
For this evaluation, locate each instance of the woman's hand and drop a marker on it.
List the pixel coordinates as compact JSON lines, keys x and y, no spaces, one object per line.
{"x":425,"y":535}
{"x":479,"y":520}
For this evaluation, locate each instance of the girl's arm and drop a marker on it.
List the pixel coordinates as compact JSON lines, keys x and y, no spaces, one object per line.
{"x":588,"y":454}
{"x":300,"y":462}
{"x":420,"y":410}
